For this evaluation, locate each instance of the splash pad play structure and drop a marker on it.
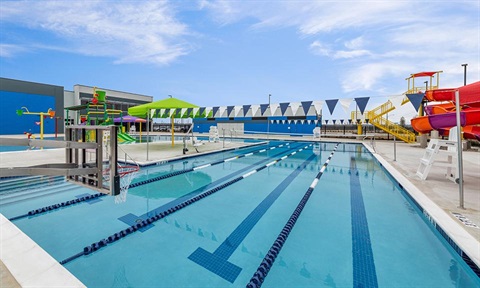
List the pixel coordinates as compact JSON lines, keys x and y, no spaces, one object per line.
{"x":24,"y":111}
{"x":97,"y":113}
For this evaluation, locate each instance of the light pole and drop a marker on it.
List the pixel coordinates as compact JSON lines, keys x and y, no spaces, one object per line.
{"x":464,"y":74}
{"x":268,"y":121}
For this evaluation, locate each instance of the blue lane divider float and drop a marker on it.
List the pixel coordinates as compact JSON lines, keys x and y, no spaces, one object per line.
{"x":267,"y":263}
{"x":133,"y":228}
{"x":176,"y":173}
{"x":172,"y":174}
{"x":57,"y":206}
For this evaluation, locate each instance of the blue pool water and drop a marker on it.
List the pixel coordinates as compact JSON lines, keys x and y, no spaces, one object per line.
{"x":357,"y":228}
{"x":23,"y":148}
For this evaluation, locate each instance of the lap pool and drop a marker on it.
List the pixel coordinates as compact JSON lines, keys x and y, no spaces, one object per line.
{"x":283,"y":214}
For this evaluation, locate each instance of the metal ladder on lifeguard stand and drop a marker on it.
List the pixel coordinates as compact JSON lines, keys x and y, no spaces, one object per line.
{"x":430,"y":157}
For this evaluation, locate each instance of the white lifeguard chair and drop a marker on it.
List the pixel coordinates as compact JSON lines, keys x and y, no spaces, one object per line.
{"x":434,"y":150}
{"x":213,"y":134}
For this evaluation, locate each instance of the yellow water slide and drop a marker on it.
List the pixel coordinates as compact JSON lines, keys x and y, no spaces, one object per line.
{"x":376,"y":116}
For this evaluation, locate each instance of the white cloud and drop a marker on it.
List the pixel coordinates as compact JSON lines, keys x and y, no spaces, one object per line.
{"x":143,"y":31}
{"x":10,"y":50}
{"x":375,"y":42}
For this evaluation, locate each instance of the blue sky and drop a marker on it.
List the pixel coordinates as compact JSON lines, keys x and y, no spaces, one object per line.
{"x":216,"y":53}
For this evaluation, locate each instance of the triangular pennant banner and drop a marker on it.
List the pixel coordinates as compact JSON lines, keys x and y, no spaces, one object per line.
{"x":272,"y":121}
{"x":229,"y":110}
{"x":207,"y":111}
{"x":201,"y":110}
{"x":273,"y":108}
{"x":255,"y":109}
{"x":331,"y":105}
{"x":318,"y":106}
{"x":182,"y":112}
{"x":302,"y":121}
{"x":189,"y":112}
{"x":221,"y":111}
{"x":362,"y":103}
{"x":283,"y":107}
{"x":346,"y":104}
{"x":215,"y":109}
{"x":416,"y":99}
{"x":397,"y":100}
{"x":194,"y":111}
{"x":294,"y":106}
{"x":245,"y":109}
{"x":263,"y":108}
{"x":306,"y":106}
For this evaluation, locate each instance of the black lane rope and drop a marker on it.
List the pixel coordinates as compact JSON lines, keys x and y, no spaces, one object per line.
{"x":119,"y":235}
{"x":267,"y":263}
{"x":165,"y":176}
{"x":58,"y":206}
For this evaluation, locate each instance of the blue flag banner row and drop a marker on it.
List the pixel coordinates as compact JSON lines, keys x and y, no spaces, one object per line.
{"x":288,"y":109}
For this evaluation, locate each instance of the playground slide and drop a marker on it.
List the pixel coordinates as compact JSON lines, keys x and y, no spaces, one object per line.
{"x":443,"y":116}
{"x":125,"y":138}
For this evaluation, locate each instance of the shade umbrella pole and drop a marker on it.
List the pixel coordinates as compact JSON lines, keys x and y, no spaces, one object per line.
{"x":459,"y":149}
{"x":173,"y":132}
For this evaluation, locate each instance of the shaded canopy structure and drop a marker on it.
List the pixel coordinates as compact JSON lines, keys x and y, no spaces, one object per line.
{"x":167,"y":108}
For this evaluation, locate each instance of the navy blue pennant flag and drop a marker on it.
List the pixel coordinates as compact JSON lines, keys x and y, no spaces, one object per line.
{"x":362,"y":103}
{"x":200,"y":111}
{"x":283,"y":107}
{"x":189,"y":111}
{"x":306,"y":106}
{"x":215,"y":109}
{"x":416,"y":99}
{"x":331,"y":105}
{"x":229,"y":110}
{"x":263,"y":108}
{"x":245,"y":109}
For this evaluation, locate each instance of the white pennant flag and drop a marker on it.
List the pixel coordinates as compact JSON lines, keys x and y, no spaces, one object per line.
{"x":221,"y":111}
{"x":273,"y":108}
{"x":295,"y":106}
{"x":318,"y":106}
{"x":195,"y":111}
{"x":346,"y":104}
{"x":207,"y":111}
{"x":397,"y":100}
{"x":302,"y":121}
{"x":254,"y":109}
{"x":182,"y":113}
{"x":239,"y":110}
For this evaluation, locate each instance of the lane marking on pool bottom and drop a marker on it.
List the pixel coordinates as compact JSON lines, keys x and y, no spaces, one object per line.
{"x":267,"y":263}
{"x":364,"y":273}
{"x":179,"y":172}
{"x":147,"y":223}
{"x":217,"y":262}
{"x":130,"y":219}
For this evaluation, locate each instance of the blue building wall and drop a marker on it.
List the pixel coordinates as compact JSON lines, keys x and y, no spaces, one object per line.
{"x":13,"y":124}
{"x":202,"y":125}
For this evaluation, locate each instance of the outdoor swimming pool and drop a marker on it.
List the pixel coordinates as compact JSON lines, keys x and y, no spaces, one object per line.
{"x":294,"y":214}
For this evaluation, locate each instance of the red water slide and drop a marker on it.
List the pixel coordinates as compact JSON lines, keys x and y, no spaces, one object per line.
{"x":442,"y":116}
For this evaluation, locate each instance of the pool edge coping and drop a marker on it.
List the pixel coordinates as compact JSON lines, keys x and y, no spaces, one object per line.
{"x":434,"y":213}
{"x":28,"y":263}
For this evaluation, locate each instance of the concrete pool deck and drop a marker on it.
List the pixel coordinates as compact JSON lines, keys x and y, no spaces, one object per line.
{"x":437,"y":195}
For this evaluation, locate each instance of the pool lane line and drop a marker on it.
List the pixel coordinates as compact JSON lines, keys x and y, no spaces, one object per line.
{"x":217,"y":262}
{"x":131,"y":219}
{"x":180,"y":172}
{"x":133,"y":228}
{"x":364,"y":272}
{"x":267,"y":262}
{"x":165,"y":176}
{"x":58,"y":206}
